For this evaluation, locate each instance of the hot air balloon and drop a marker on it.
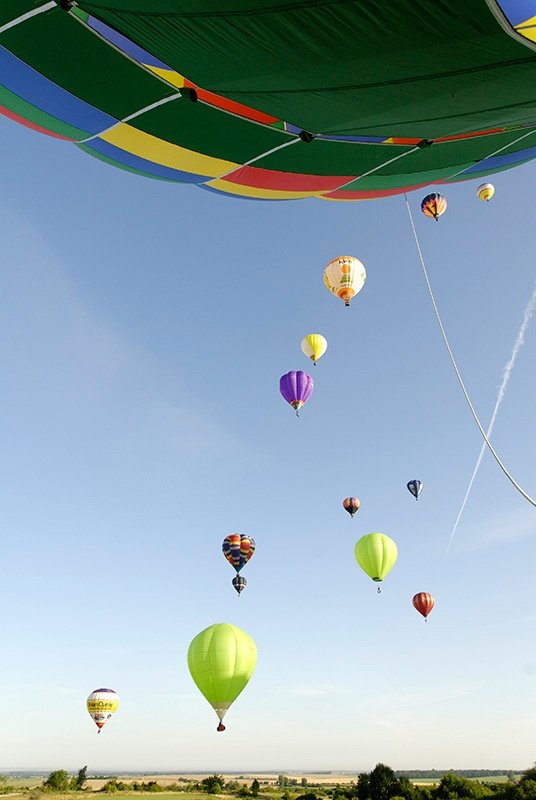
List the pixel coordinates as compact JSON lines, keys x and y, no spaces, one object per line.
{"x":351,"y":504}
{"x":239,"y":583}
{"x":376,"y":554}
{"x":296,"y":388}
{"x":102,"y":705}
{"x":223,"y":108}
{"x":434,"y":205}
{"x":238,"y":549}
{"x":314,"y":346}
{"x":415,"y":487}
{"x":424,"y":603}
{"x":345,"y":277}
{"x":485,"y":191}
{"x":221,"y":660}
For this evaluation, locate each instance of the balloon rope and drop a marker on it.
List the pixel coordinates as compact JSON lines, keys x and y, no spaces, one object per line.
{"x":457,"y":371}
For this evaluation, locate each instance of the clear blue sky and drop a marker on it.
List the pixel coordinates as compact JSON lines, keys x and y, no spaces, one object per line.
{"x":143,"y":330}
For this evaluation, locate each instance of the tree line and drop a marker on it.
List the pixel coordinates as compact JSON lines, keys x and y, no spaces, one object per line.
{"x":382,"y":783}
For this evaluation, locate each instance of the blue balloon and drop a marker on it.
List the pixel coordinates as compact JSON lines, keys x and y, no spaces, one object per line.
{"x":415,"y":487}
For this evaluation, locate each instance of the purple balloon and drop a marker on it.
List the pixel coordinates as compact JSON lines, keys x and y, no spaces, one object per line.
{"x":296,"y":388}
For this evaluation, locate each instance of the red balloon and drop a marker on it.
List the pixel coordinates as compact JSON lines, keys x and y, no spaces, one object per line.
{"x":424,"y":603}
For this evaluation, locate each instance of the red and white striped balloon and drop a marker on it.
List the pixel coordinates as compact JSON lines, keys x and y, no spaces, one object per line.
{"x":424,"y":603}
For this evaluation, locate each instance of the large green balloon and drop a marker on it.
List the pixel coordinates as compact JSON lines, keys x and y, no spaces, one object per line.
{"x":376,"y":554}
{"x":221,"y":660}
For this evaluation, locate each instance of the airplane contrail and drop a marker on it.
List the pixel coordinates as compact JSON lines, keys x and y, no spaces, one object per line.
{"x":518,"y":344}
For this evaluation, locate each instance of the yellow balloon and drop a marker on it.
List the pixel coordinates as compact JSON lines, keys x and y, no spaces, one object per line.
{"x":345,"y":277}
{"x":314,"y":345}
{"x":485,"y":191}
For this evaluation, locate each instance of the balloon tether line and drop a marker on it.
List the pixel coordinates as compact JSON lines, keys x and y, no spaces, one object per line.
{"x":456,"y":370}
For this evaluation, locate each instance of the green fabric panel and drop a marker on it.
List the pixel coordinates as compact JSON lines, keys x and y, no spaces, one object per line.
{"x":202,"y":128}
{"x":83,"y":15}
{"x":425,"y":164}
{"x":329,"y":158}
{"x":400,"y":68}
{"x":28,"y":112}
{"x":454,"y":155}
{"x":322,"y":157}
{"x":69,"y":54}
{"x":117,"y":164}
{"x":11,"y":9}
{"x":379,"y":182}
{"x":212,"y":7}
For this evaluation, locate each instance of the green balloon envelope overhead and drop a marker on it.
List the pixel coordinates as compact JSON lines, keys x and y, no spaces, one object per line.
{"x":221,"y":660}
{"x":335,"y":99}
{"x":376,"y":554}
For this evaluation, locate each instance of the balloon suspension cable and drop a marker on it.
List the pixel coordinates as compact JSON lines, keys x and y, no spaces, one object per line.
{"x":455,"y":366}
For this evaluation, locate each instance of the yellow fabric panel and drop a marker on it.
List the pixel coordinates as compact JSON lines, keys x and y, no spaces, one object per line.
{"x":170,"y":76}
{"x":253,"y":191}
{"x":528,"y":29}
{"x":170,"y":155}
{"x":342,"y":200}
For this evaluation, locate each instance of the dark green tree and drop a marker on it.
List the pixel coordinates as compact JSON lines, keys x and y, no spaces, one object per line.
{"x":363,"y":786}
{"x":79,"y":781}
{"x":214,"y":784}
{"x":453,"y":787}
{"x":528,"y":775}
{"x":255,"y":787}
{"x":525,"y":789}
{"x":383,"y":783}
{"x":406,"y":789}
